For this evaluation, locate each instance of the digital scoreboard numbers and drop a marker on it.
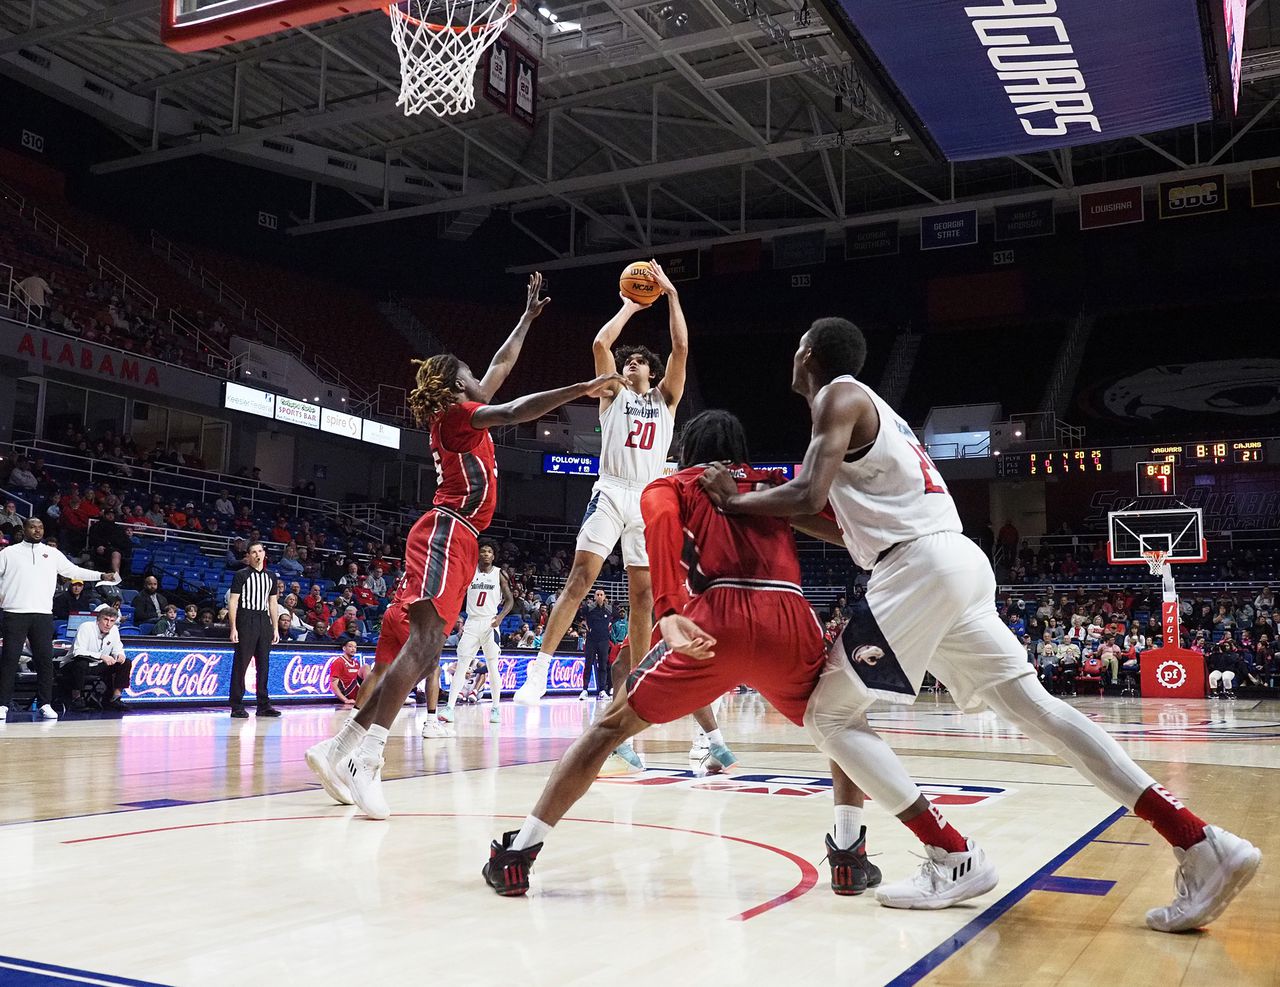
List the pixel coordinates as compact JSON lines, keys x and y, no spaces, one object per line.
{"x":1218,"y":452}
{"x":1056,"y":462}
{"x":1158,"y":479}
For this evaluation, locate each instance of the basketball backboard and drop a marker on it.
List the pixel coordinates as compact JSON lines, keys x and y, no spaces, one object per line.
{"x":197,"y":25}
{"x":1179,"y":532}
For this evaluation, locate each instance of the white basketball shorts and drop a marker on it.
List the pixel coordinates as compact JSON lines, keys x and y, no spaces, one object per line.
{"x":477,"y":634}
{"x":613,"y":514}
{"x":930,"y":605}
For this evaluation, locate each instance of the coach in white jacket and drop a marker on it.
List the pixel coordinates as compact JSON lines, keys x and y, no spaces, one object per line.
{"x":29,"y":574}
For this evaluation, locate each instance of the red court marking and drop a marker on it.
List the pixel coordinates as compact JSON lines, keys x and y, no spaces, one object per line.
{"x":808,"y":873}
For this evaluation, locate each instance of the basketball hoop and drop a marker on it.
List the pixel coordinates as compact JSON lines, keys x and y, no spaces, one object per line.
{"x":1155,"y":560}
{"x":440,"y":43}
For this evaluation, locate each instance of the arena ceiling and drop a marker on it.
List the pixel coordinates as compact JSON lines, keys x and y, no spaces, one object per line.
{"x":660,"y":122}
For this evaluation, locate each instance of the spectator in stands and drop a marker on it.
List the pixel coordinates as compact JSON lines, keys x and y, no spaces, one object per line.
{"x":1224,"y":620}
{"x":10,"y":520}
{"x":155,"y":514}
{"x":346,"y":598}
{"x":289,"y":567}
{"x":149,"y":605}
{"x":618,"y":633}
{"x":22,"y":477}
{"x":34,"y":290}
{"x":375,"y":583}
{"x":1110,"y":654}
{"x":351,"y":632}
{"x":76,"y":513}
{"x":526,"y":636}
{"x":178,"y":516}
{"x":281,"y":531}
{"x":203,"y":627}
{"x":298,"y":628}
{"x":76,"y":598}
{"x":284,"y":626}
{"x":319,"y":633}
{"x":98,"y":641}
{"x":224,"y":505}
{"x":345,"y":617}
{"x":167,"y":625}
{"x":350,"y":578}
{"x":1069,"y":664}
{"x":108,"y":543}
{"x":244,"y":523}
{"x":1264,"y":602}
{"x":234,"y":559}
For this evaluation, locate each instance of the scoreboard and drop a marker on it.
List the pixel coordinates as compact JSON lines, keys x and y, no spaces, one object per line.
{"x":1158,"y":479}
{"x":1215,"y":452}
{"x":1056,"y":462}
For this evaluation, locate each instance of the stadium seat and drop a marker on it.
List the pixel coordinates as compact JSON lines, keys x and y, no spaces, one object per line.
{"x":1090,"y":674}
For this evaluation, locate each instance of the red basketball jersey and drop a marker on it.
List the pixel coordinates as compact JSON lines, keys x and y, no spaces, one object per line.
{"x":346,"y":672}
{"x":466,"y":465}
{"x":691,"y":544}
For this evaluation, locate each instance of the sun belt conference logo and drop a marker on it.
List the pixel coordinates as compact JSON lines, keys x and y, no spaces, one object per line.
{"x":1171,"y":674}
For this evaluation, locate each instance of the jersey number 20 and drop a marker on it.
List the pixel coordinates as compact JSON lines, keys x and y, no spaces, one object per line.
{"x":642,"y":434}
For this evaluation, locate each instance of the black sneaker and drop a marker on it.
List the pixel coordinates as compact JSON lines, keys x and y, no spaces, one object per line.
{"x":507,"y":871}
{"x":268,"y":711}
{"x":851,"y":872}
{"x":239,"y":713}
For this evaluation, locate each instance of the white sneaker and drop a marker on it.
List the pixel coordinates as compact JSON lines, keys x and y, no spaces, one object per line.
{"x":363,"y":777}
{"x":434,"y":729}
{"x":700,"y":747}
{"x":446,"y":714}
{"x":320,"y":759}
{"x":1209,"y":875}
{"x":47,"y":712}
{"x":945,"y":879}
{"x":582,"y":695}
{"x":535,"y":683}
{"x":495,"y":714}
{"x":630,"y":755}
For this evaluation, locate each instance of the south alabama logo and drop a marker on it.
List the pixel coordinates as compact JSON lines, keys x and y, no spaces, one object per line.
{"x":1171,"y":674}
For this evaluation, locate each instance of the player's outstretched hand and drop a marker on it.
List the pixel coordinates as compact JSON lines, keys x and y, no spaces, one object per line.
{"x":719,"y":484}
{"x":110,"y":578}
{"x":606,"y":385}
{"x":686,"y":637}
{"x":534,"y":304}
{"x":664,"y":282}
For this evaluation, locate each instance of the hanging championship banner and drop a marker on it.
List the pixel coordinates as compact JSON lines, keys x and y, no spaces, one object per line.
{"x":496,"y":74}
{"x":880,"y":240}
{"x":1115,"y":207}
{"x":1193,"y":196}
{"x":1025,"y":220}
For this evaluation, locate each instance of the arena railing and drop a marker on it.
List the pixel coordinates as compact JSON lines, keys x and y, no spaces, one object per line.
{"x":16,"y":301}
{"x":42,"y":222}
{"x":18,"y":501}
{"x":128,"y":285}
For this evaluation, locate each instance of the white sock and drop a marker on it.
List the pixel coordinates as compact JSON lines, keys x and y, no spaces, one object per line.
{"x":848,"y":825}
{"x":374,"y":741}
{"x":715,"y":737}
{"x":349,"y":737}
{"x":533,"y":831}
{"x":543,"y":659}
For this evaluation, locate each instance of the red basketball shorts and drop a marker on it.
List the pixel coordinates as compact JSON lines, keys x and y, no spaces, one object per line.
{"x":440,"y":557}
{"x":767,"y":639}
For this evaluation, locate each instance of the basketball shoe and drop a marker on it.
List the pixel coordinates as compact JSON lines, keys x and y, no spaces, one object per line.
{"x":700,"y":747}
{"x":629,"y":754}
{"x":851,"y":872}
{"x":507,"y":871}
{"x":446,"y":714}
{"x":495,"y":714}
{"x":1209,"y":875}
{"x":945,"y":879}
{"x":363,"y":776}
{"x":535,"y":682}
{"x":321,"y":760}
{"x":436,"y":729}
{"x":718,"y":759}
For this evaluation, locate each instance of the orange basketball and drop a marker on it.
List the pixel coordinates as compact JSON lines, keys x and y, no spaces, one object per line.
{"x":639,"y":284}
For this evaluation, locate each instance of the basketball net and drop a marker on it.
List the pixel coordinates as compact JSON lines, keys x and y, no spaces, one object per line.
{"x":1155,"y":560}
{"x":440,"y":43}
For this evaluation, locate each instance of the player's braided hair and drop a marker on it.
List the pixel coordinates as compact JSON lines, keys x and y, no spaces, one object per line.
{"x":713,"y":436}
{"x":656,"y":367}
{"x":838,"y":346}
{"x":437,"y":380}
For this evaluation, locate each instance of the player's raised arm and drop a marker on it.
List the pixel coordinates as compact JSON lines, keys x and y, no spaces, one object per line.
{"x":505,"y":359}
{"x":836,"y":410}
{"x":534,"y":406}
{"x":672,"y":384}
{"x":602,"y":347}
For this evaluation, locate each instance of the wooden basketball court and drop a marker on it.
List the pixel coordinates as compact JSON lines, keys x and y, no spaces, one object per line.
{"x":189,"y":848}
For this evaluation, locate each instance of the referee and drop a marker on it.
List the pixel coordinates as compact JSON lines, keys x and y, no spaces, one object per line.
{"x":253,"y":605}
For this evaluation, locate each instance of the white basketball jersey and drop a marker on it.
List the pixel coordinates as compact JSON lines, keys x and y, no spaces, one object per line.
{"x":893,"y":493}
{"x":635,"y":434}
{"x":484,"y":594}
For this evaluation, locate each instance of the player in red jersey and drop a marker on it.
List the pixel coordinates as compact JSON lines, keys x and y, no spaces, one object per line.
{"x":443,"y":545}
{"x":730,"y":610}
{"x":346,"y":673}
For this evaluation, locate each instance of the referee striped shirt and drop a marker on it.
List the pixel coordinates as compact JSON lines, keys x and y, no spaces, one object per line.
{"x":255,"y":589}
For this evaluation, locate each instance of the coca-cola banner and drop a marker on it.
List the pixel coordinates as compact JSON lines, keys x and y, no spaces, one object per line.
{"x":167,"y":674}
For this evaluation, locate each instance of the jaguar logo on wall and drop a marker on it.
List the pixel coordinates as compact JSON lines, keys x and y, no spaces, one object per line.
{"x":1234,"y":389}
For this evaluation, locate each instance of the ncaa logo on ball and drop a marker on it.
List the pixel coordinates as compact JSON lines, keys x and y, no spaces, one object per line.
{"x":1171,"y":674}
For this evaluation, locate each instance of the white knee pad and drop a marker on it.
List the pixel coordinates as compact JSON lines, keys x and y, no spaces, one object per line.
{"x":1071,"y":735}
{"x":865,"y":758}
{"x":1229,"y":679}
{"x":1215,"y":677}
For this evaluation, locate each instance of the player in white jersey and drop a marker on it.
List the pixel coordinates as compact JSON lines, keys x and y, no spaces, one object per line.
{"x":930,"y":604}
{"x":636,"y":426}
{"x":488,"y":588}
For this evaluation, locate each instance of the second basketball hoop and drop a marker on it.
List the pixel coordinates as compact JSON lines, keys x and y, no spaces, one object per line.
{"x":440,"y":43}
